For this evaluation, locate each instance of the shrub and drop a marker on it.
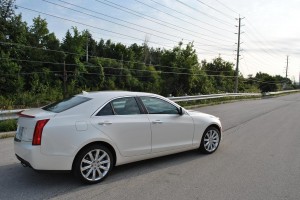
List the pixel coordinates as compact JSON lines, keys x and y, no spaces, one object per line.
{"x":8,"y":125}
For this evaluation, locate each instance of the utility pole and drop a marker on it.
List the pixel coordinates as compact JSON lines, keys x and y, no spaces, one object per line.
{"x":65,"y":80}
{"x":122,"y":66}
{"x":287,"y":66}
{"x":87,"y":50}
{"x":238,"y":57}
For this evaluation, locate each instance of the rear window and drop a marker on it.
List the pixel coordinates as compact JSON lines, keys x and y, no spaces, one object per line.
{"x":66,"y":104}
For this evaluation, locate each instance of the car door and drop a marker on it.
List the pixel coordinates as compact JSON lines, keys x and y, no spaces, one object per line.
{"x":122,"y":120}
{"x":170,"y":130}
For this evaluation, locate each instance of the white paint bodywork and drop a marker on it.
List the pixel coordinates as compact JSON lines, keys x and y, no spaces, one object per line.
{"x":133,"y":137}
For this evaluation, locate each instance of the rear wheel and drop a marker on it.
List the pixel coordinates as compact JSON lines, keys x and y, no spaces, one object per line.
{"x":93,"y":164}
{"x":210,"y":140}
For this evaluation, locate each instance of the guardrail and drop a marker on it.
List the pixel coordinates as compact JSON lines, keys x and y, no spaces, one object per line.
{"x":211,"y":96}
{"x":13,"y":114}
{"x":282,"y":92}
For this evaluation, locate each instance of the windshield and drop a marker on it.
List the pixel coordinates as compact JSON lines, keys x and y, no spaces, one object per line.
{"x":66,"y":104}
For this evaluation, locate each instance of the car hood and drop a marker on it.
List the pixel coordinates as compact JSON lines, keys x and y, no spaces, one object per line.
{"x":197,"y":113}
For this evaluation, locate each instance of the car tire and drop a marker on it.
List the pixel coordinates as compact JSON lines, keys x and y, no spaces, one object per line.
{"x":93,"y":164}
{"x":210,"y":140}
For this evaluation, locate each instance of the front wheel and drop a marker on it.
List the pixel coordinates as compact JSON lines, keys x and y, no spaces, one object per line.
{"x":210,"y":140}
{"x":93,"y":164}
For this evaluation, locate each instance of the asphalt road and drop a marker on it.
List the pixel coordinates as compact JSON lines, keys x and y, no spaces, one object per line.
{"x":259,"y":158}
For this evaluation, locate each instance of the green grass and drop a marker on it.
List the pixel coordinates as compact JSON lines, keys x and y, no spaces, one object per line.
{"x":8,"y":125}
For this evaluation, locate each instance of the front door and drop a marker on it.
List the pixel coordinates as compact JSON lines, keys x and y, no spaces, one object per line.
{"x":170,"y":130}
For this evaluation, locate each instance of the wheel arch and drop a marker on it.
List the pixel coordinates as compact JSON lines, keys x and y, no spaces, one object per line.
{"x":106,"y":144}
{"x":215,"y":126}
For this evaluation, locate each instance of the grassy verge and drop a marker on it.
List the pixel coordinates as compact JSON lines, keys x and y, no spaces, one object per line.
{"x":7,"y":135}
{"x":8,"y":125}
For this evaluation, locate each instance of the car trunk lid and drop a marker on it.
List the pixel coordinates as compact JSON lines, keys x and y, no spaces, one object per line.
{"x":27,"y":122}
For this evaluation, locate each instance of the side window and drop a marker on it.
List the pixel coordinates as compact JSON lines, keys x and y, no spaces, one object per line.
{"x":158,"y":106}
{"x":122,"y":106}
{"x":125,"y":106}
{"x":106,"y":110}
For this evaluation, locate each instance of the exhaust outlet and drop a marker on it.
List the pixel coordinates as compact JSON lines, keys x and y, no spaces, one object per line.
{"x":24,"y":165}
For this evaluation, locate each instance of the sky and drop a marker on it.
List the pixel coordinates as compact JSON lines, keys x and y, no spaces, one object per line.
{"x":270,"y":30}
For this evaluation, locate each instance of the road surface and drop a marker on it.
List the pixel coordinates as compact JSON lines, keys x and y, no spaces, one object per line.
{"x":259,"y":158}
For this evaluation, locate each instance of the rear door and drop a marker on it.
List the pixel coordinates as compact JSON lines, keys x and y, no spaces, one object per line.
{"x":170,"y":130}
{"x":123,"y":121}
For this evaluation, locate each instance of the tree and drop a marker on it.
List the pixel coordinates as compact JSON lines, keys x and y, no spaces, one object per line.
{"x":75,"y":46}
{"x":222,"y":74}
{"x":10,"y":82}
{"x":266,"y":82}
{"x":178,"y":75}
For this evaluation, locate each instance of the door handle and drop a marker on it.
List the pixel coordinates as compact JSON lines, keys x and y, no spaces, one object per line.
{"x":157,"y":122}
{"x":104,"y":123}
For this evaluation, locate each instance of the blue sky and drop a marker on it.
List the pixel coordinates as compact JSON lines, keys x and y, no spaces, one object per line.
{"x":271,"y":28}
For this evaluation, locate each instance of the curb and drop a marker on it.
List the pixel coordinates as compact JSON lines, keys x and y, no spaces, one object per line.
{"x":4,"y":135}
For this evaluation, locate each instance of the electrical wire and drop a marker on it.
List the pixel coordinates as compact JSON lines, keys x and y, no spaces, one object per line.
{"x":211,"y":16}
{"x":177,"y":17}
{"x":112,"y":21}
{"x":139,"y":70}
{"x":150,"y":18}
{"x":226,"y":15}
{"x":83,"y":54}
{"x":224,"y":5}
{"x":191,"y":17}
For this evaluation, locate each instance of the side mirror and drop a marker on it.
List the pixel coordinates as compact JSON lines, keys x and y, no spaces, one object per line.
{"x":180,"y":111}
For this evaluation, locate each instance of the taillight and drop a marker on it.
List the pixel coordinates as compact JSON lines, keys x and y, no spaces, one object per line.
{"x":37,"y":135}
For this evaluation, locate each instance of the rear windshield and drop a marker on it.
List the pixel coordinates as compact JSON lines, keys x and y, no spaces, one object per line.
{"x":66,"y":104}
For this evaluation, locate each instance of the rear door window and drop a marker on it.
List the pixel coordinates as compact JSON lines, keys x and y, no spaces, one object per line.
{"x":126,"y":106}
{"x":121,"y":106}
{"x":106,"y":110}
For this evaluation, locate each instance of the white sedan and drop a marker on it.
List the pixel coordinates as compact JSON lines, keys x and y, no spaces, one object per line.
{"x":90,"y":133}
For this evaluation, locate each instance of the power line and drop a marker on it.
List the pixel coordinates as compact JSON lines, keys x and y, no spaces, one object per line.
{"x":228,"y":16}
{"x":83,"y":54}
{"x":58,"y":17}
{"x":224,"y":5}
{"x":139,"y":70}
{"x":98,"y":27}
{"x":256,"y":34}
{"x":152,"y":19}
{"x":189,"y":16}
{"x":263,"y":49}
{"x":110,"y":17}
{"x":30,"y":73}
{"x":120,"y":24}
{"x":176,"y":17}
{"x":197,"y":10}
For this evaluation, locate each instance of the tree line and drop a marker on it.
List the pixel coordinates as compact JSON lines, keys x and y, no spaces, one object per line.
{"x":37,"y":68}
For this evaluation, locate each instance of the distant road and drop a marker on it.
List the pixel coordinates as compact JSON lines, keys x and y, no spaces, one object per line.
{"x":259,"y":158}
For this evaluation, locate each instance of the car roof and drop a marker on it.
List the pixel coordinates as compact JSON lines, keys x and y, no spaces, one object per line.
{"x":114,"y":93}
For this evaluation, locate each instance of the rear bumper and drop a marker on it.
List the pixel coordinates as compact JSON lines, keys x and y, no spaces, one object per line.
{"x":32,"y":156}
{"x":24,"y":162}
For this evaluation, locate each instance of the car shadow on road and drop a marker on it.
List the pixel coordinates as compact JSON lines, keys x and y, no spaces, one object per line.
{"x":18,"y":182}
{"x":147,"y":166}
